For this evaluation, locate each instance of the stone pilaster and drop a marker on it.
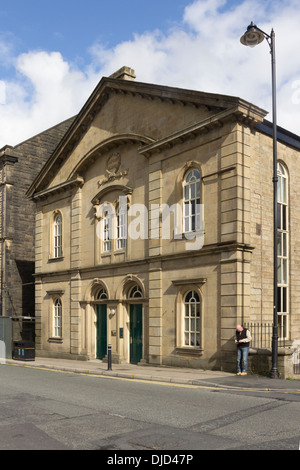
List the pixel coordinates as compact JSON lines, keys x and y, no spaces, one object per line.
{"x":75,"y":313}
{"x":76,"y":228}
{"x":155,"y":273}
{"x":235,"y":237}
{"x":75,"y":283}
{"x":155,"y":313}
{"x":235,"y":294}
{"x":154,"y":203}
{"x":235,"y":187}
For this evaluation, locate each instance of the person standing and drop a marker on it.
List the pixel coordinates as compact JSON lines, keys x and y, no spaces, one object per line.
{"x":242,"y":340}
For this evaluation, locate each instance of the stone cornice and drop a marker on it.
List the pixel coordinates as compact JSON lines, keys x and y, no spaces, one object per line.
{"x":184,"y":282}
{"x":214,"y":249}
{"x":237,"y":113}
{"x":109,"y":86}
{"x":75,"y":182}
{"x":8,"y":155}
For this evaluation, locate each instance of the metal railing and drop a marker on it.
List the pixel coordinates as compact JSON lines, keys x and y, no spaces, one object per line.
{"x":297,"y":362}
{"x":262,"y":339}
{"x":262,"y":335}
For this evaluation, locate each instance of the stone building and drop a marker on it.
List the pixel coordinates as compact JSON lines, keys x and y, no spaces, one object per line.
{"x":19,"y":165}
{"x":154,"y":228}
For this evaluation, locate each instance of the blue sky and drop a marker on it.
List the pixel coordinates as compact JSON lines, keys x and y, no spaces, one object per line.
{"x":52,"y":54}
{"x":72,"y":26}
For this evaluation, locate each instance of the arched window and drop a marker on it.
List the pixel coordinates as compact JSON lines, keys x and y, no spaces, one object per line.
{"x":192,"y":319}
{"x":57,"y":242}
{"x":135,"y":292}
{"x":111,"y":219}
{"x":57,"y":318}
{"x":282,"y":252}
{"x":107,"y":231}
{"x":102,"y":294}
{"x":191,"y":201}
{"x":121,"y":227}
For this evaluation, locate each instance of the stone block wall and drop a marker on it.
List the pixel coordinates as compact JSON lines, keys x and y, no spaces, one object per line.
{"x":19,"y":166}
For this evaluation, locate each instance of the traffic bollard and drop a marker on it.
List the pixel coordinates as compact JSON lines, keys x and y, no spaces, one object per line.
{"x":109,"y":357}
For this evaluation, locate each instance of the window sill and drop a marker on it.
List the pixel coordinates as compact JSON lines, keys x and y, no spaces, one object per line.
{"x":54,"y":260}
{"x":55,"y":340}
{"x":187,"y":236}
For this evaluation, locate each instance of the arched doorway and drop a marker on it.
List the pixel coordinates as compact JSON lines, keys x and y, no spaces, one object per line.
{"x":101,"y":324}
{"x":136,"y":324}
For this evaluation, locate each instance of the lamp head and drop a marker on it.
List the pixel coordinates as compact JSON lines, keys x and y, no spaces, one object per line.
{"x":252,"y":36}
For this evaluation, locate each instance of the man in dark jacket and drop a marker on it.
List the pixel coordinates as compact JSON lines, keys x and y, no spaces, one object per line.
{"x":242,"y":340}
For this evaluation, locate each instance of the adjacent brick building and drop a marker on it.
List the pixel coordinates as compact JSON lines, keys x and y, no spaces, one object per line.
{"x":19,"y":165}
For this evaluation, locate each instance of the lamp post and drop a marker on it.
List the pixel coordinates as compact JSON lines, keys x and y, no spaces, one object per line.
{"x":251,"y":38}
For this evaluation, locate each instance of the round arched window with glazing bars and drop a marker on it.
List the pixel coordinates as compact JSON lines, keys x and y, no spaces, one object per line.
{"x":282,"y":252}
{"x":102,"y":294}
{"x":192,"y":319}
{"x":135,"y":292}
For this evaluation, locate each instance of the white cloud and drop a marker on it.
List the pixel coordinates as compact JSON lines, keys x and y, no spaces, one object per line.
{"x":2,"y":92}
{"x":202,"y":53}
{"x":46,"y":91}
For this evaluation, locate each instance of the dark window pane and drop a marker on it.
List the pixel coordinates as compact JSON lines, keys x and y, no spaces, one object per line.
{"x":278,"y":216}
{"x":284,"y":299}
{"x":278,"y":299}
{"x":284,"y":218}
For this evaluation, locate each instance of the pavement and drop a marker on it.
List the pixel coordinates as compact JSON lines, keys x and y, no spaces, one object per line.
{"x":163,"y":374}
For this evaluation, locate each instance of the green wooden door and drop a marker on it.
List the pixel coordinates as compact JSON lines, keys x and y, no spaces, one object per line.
{"x":136,"y":333}
{"x":101,"y":331}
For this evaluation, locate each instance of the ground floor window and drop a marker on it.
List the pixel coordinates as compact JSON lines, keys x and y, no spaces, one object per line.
{"x":57,"y":318}
{"x":192,"y":320}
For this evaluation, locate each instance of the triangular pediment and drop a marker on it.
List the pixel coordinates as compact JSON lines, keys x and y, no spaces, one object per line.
{"x":121,"y":110}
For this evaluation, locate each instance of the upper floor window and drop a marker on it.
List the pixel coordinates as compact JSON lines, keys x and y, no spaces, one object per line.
{"x":191,"y":201}
{"x":111,"y":228}
{"x":107,"y":231}
{"x":57,"y":236}
{"x":121,"y":227}
{"x":282,"y":251}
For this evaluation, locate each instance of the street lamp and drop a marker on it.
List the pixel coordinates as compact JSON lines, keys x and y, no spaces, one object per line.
{"x":251,"y":38}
